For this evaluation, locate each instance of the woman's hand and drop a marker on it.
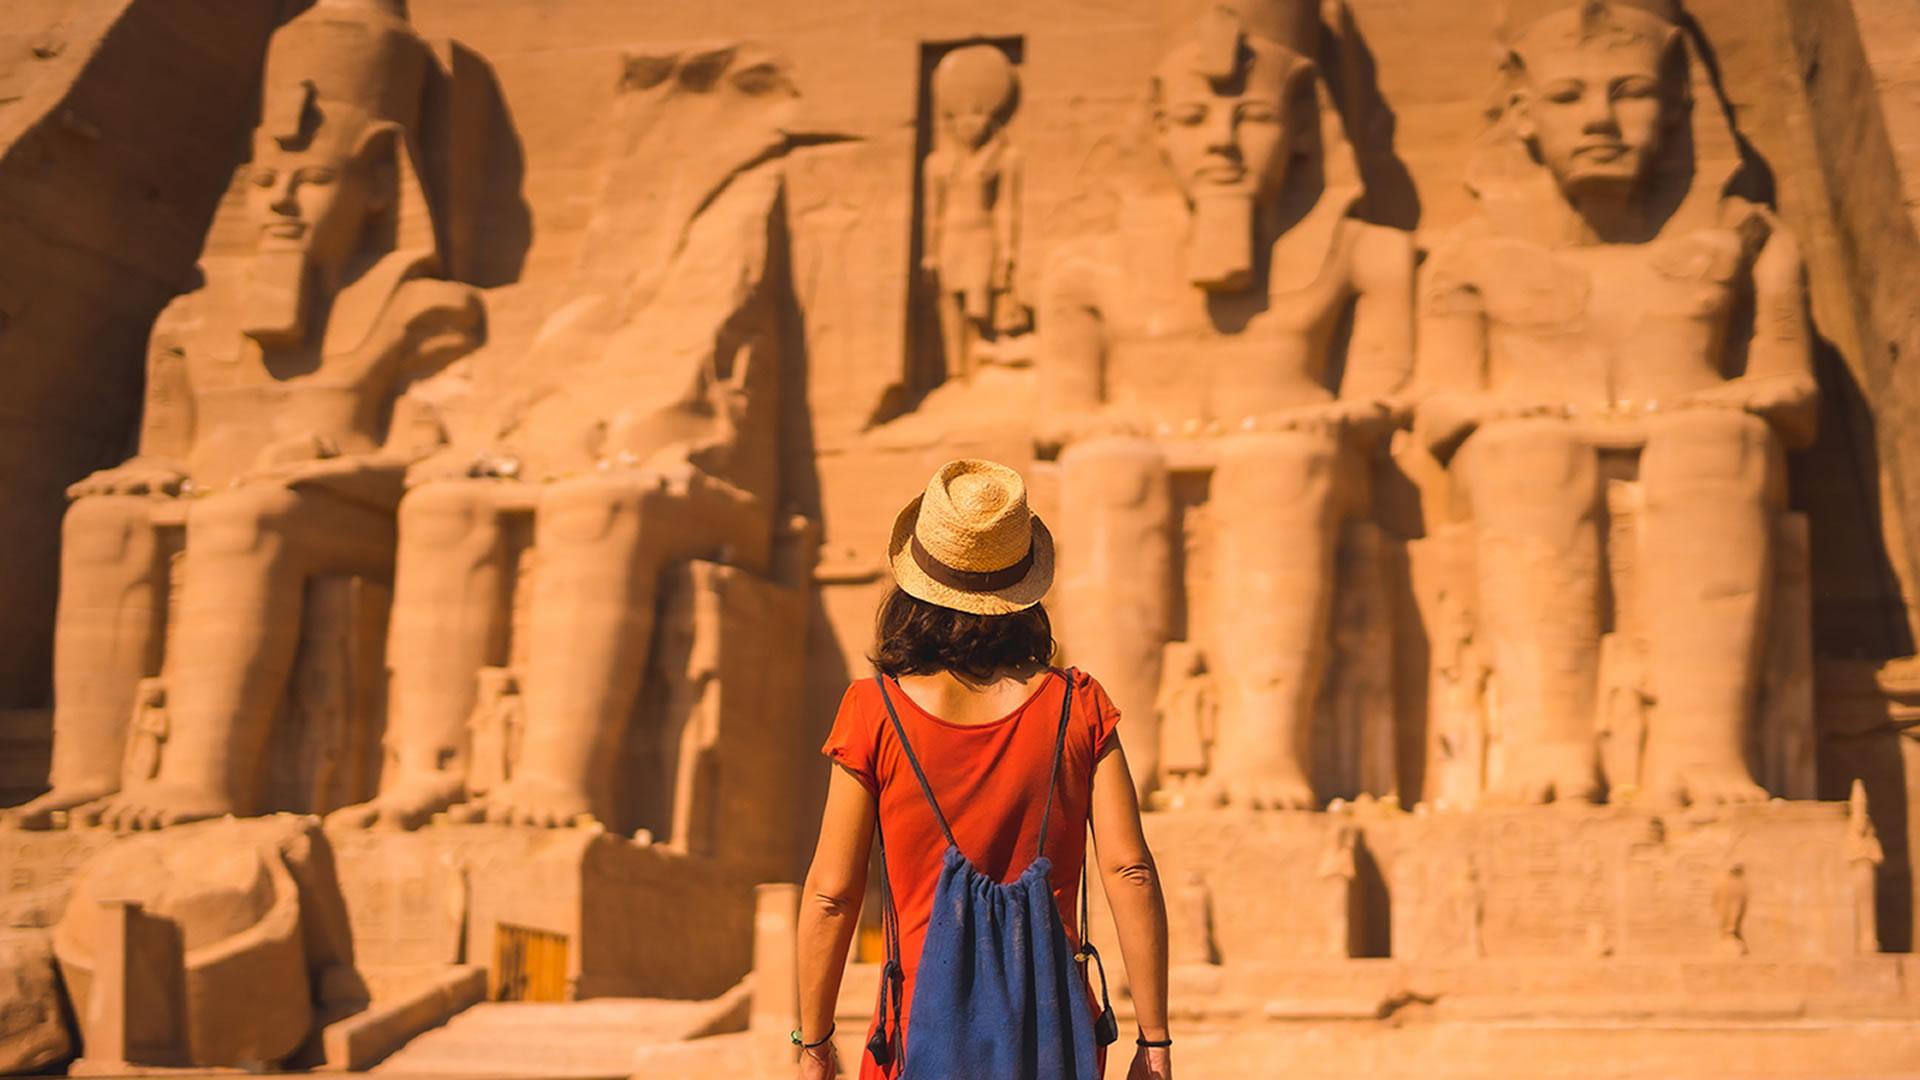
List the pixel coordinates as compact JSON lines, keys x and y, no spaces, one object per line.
{"x":824,"y":1064}
{"x":1151,"y":1063}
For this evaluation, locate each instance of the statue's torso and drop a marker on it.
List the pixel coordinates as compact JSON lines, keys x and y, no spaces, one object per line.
{"x":245,"y":399}
{"x":1602,"y":326}
{"x":1176,"y":354}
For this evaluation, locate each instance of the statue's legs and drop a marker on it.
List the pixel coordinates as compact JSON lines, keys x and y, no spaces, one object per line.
{"x":250,"y":551}
{"x":1535,"y":494}
{"x":1275,"y":519}
{"x":1713,"y":486}
{"x":107,"y":637}
{"x":452,"y":610}
{"x":601,"y":542}
{"x":957,"y":334}
{"x":1113,"y":596}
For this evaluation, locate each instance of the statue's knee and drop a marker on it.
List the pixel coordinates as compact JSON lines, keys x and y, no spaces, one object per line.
{"x":99,"y":529}
{"x":1284,"y":467}
{"x":436,"y":515}
{"x":1534,"y":454}
{"x":587,"y":509}
{"x":1710,"y":447}
{"x":1116,"y":470}
{"x":1543,"y":436}
{"x":236,"y":521}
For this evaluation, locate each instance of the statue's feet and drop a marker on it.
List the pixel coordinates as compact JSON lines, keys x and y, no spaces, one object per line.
{"x":408,"y":804}
{"x":1281,"y":789}
{"x":154,"y":806}
{"x":38,"y":813}
{"x":529,"y":801}
{"x":1544,"y":774}
{"x":1708,"y":785}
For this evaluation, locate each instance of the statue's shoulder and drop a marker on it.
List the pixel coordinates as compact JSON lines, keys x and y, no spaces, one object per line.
{"x":1457,"y":257}
{"x":1084,"y":268}
{"x":1378,"y":250}
{"x":1471,"y":241}
{"x":1717,"y":255}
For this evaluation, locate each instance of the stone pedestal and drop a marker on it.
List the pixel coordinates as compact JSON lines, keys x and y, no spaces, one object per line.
{"x":1770,"y":880}
{"x":1260,"y":888}
{"x":607,"y":916}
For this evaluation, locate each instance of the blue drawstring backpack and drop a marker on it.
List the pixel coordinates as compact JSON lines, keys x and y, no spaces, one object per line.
{"x":999,"y":996}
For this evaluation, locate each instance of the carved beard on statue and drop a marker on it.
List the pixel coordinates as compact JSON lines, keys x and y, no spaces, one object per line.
{"x":276,"y":305}
{"x":1220,"y":241}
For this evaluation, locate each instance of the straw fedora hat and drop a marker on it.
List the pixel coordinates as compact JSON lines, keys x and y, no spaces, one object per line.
{"x":970,"y":543}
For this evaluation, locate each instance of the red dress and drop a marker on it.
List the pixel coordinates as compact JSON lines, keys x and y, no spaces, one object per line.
{"x":991,"y":782}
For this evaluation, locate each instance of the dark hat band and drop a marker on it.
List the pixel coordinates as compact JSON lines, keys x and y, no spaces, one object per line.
{"x":970,"y":580}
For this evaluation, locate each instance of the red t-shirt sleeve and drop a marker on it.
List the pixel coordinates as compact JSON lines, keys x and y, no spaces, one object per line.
{"x":854,"y":741}
{"x":1103,"y":716}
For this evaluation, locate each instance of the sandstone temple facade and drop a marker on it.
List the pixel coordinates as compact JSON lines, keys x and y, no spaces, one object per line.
{"x":448,"y":445}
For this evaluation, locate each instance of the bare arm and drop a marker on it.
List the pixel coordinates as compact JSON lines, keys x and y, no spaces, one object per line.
{"x":830,"y":900}
{"x":933,"y":192}
{"x":1006,"y":219}
{"x":1380,"y":354}
{"x":1132,"y":884}
{"x":1071,"y":363}
{"x":166,"y":423}
{"x":1450,"y":364}
{"x":1780,"y":359}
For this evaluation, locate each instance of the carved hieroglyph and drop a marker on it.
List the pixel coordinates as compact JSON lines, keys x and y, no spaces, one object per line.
{"x":1195,"y":334}
{"x":640,"y":433}
{"x":970,"y":200}
{"x":1582,"y":365}
{"x":264,"y":459}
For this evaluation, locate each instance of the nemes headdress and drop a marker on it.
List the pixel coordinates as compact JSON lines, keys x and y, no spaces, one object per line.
{"x":1709,"y":159}
{"x":359,"y":64}
{"x":1587,"y":19}
{"x":1224,"y":32}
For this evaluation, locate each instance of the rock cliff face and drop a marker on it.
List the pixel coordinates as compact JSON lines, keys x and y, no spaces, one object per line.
{"x":1427,"y":423}
{"x":120,"y":122}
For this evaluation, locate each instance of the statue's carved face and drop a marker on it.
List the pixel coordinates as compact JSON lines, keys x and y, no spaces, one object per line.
{"x":1596,"y":110}
{"x":969,"y":121}
{"x":1225,"y":137}
{"x":314,"y":199}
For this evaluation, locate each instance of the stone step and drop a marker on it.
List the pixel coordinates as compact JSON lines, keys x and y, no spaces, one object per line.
{"x":592,"y":1038}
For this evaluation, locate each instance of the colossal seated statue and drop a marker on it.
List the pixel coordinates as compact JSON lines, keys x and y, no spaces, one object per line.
{"x":1202,"y":330}
{"x":1618,"y":339}
{"x":264,"y":461}
{"x":641,"y":432}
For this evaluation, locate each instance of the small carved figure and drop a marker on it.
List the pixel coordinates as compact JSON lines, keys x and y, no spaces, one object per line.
{"x":1188,"y":712}
{"x":1864,"y":856}
{"x":147,"y":735}
{"x":970,"y":229}
{"x":1194,"y":943}
{"x":1730,"y":909}
{"x":1340,"y":867}
{"x":494,"y":729}
{"x":1476,"y":910}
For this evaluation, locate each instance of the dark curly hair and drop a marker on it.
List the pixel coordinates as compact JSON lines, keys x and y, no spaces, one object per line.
{"x":914,"y":637}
